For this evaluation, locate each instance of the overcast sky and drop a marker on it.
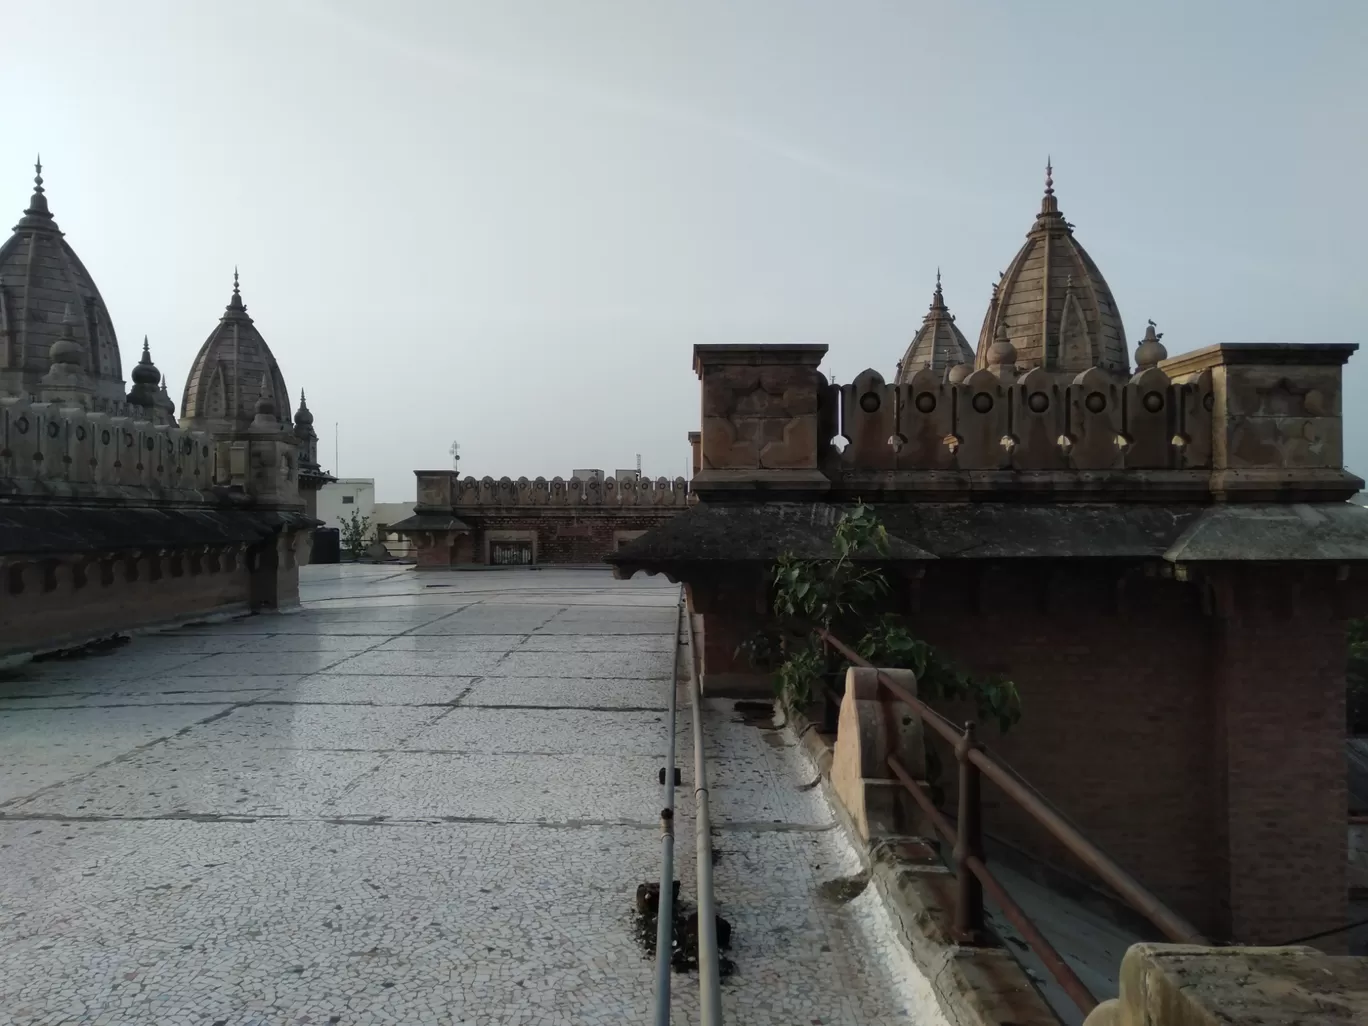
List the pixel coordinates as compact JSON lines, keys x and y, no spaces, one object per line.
{"x":508,"y":222}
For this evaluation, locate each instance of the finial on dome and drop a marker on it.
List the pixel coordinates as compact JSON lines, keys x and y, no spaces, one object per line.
{"x":1150,"y":351}
{"x":147,"y":352}
{"x":938,"y":297}
{"x":235,"y":301}
{"x":1048,"y":203}
{"x":37,"y":202}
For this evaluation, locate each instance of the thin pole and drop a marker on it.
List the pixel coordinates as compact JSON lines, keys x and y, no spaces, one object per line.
{"x":665,"y":903}
{"x":709,"y":983}
{"x":337,"y":459}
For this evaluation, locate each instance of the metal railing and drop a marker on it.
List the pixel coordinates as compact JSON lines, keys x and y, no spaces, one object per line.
{"x":973,"y":877}
{"x":665,"y":900}
{"x":709,"y":979}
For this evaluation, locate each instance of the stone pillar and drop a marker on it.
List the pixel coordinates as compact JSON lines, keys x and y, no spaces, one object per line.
{"x":1278,"y":756}
{"x":731,"y":609}
{"x":762,"y":420}
{"x":1276,"y":426}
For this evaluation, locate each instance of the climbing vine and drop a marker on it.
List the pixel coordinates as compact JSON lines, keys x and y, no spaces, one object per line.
{"x":842,"y":593}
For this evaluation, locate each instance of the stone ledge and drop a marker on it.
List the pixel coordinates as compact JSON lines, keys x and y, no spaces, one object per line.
{"x":1181,"y":985}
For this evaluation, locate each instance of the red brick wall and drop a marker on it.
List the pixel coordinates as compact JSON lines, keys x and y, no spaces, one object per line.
{"x":567,"y":536}
{"x":1279,"y":700}
{"x":1116,"y":720}
{"x":1198,"y":741}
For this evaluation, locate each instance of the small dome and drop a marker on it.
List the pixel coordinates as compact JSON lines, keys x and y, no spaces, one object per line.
{"x":232,"y":371}
{"x":1057,"y":308}
{"x":40,"y":276}
{"x":303,"y":417}
{"x":145,"y":378}
{"x":938,"y":344}
{"x":144,"y":371}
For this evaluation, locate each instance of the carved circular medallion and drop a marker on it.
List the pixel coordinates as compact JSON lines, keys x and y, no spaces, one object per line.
{"x":1096,"y":402}
{"x":926,"y":402}
{"x":128,"y":439}
{"x":104,"y":437}
{"x":205,"y":452}
{"x":1038,"y":402}
{"x":151,"y":444}
{"x":983,"y":402}
{"x":21,"y":425}
{"x":1209,"y":402}
{"x":1153,"y":401}
{"x":54,"y":429}
{"x":80,"y":432}
{"x":869,"y":402}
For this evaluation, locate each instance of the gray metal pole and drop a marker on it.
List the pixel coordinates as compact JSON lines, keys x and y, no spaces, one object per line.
{"x":709,"y":982}
{"x":665,"y":904}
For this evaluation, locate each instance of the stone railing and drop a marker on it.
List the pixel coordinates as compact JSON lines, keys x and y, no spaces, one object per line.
{"x":443,"y":489}
{"x":49,"y":451}
{"x":1244,"y":420}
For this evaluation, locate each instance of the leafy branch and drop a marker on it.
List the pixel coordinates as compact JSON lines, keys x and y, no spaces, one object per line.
{"x":842,"y":593}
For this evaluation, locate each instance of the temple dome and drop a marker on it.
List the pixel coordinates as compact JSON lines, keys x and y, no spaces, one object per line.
{"x":45,"y":291}
{"x":1057,"y":309}
{"x":233,"y":370}
{"x":938,"y":344}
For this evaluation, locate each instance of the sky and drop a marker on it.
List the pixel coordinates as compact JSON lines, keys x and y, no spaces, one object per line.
{"x":508,"y":222}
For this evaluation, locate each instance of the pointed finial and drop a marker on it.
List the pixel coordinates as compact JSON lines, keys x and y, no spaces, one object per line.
{"x":1150,"y":351}
{"x":235,"y":280}
{"x":301,"y":397}
{"x":147,"y":352}
{"x":38,"y":174}
{"x":938,"y":288}
{"x":1049,"y":177}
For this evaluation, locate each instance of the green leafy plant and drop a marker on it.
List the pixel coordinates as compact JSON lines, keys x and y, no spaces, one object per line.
{"x":356,"y":533}
{"x":842,"y":593}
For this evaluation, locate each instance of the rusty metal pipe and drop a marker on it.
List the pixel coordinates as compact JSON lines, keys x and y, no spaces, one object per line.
{"x":1039,"y":808}
{"x":1064,"y":975}
{"x":1135,"y":894}
{"x":1045,"y":951}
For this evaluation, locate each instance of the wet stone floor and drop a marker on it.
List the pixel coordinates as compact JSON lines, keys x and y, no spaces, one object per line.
{"x":424,"y":798}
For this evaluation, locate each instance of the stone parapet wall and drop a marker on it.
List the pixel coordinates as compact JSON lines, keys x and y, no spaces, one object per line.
{"x":54,"y":452}
{"x":445,"y":490}
{"x":155,"y":575}
{"x":1241,"y":421}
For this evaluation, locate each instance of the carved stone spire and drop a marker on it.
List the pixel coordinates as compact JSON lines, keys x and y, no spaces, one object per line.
{"x":938,"y":344}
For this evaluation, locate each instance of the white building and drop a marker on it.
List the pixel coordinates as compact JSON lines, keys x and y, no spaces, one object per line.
{"x":337,"y":500}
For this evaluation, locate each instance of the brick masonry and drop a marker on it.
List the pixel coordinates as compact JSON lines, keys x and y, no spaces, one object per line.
{"x":1192,"y":729}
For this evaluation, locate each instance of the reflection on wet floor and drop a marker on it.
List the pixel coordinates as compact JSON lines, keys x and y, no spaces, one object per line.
{"x":404,"y":803}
